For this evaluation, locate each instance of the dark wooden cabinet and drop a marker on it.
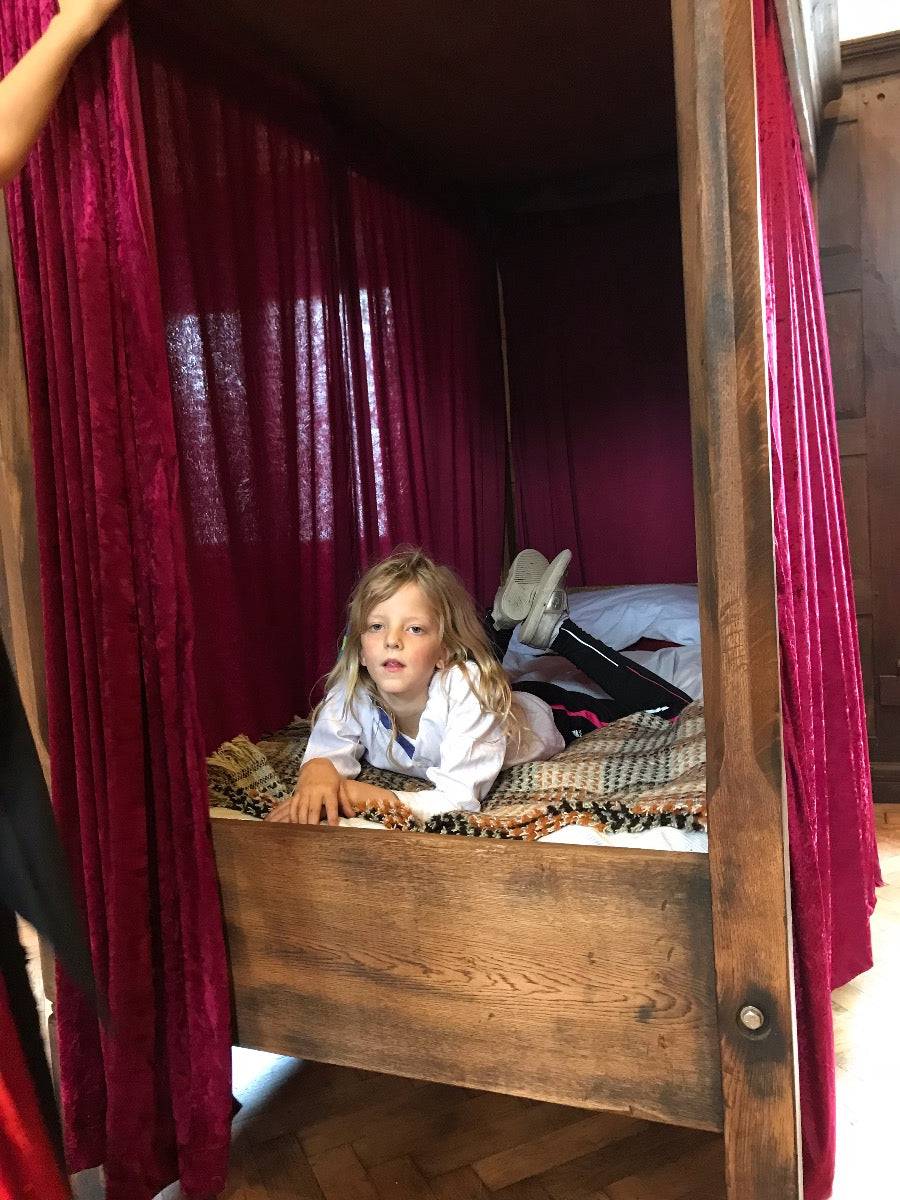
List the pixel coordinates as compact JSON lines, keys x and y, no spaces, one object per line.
{"x":859,"y":220}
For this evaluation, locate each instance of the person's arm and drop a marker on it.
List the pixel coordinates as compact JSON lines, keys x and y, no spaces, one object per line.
{"x":28,"y":92}
{"x":332,"y":755}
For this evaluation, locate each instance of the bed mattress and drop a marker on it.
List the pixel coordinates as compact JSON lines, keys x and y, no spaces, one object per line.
{"x":571,"y":835}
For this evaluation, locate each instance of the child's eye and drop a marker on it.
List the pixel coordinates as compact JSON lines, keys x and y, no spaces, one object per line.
{"x":416,"y":629}
{"x":374,"y":626}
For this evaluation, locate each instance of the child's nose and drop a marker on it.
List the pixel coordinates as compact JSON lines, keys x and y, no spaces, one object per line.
{"x":393,"y":637}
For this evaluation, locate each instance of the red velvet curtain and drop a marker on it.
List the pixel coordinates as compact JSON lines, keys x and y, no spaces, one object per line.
{"x":148,"y":1095}
{"x":834,"y":864}
{"x":336,"y":378}
{"x":28,"y":1166}
{"x":601,"y":429}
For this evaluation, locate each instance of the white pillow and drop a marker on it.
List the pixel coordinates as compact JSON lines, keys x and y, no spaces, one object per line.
{"x":621,"y":616}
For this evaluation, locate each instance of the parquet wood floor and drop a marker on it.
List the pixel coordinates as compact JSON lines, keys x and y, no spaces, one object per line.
{"x":312,"y":1132}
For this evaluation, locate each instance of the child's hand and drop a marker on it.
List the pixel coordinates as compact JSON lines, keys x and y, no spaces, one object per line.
{"x":86,"y":16}
{"x":361,"y":795}
{"x":318,"y":791}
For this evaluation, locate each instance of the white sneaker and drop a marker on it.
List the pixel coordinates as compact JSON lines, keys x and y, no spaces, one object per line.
{"x":549,"y":606}
{"x":513,"y":599}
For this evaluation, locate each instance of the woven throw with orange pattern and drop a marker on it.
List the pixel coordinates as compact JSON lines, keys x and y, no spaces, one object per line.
{"x":637,"y":773}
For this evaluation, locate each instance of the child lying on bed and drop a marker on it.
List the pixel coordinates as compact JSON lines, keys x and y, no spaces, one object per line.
{"x":418,"y":687}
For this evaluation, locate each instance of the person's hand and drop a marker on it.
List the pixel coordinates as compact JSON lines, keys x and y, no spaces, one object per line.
{"x":360,"y":796}
{"x":85,"y":17}
{"x":318,"y":791}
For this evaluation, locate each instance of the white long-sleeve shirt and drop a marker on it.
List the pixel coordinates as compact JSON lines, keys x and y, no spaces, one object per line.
{"x":459,"y":747}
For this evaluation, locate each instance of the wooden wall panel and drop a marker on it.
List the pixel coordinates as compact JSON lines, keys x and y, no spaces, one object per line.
{"x":843,"y":311}
{"x":838,"y":182}
{"x":854,"y":472}
{"x":859,"y":212}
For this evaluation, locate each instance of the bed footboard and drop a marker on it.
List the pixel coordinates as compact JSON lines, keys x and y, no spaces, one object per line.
{"x":574,"y":974}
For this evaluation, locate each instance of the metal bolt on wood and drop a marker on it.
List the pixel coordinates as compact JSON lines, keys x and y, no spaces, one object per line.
{"x":751,"y":1018}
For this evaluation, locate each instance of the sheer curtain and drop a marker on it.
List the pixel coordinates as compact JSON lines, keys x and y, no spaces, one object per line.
{"x":332,"y":347}
{"x":834,"y":865}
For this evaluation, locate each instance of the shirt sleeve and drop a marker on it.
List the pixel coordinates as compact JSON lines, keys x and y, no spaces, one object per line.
{"x":337,"y":735}
{"x":472,"y":755}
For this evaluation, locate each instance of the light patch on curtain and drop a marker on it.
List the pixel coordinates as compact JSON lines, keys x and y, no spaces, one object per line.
{"x":374,"y":422}
{"x":206,"y":355}
{"x":314,"y":423}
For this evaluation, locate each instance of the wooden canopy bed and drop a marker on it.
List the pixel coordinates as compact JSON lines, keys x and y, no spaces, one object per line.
{"x":672,"y":997}
{"x":432,"y":957}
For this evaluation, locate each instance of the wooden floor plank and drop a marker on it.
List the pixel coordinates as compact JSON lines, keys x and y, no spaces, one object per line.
{"x":553,"y":1149}
{"x":291,"y":1094}
{"x":460,"y":1115}
{"x":498,"y":1133}
{"x":525,"y":1189}
{"x":586,"y":1178}
{"x":280,"y":1171}
{"x":400,"y":1179}
{"x":461,"y":1184}
{"x":682,"y":1177}
{"x":341,"y":1176}
{"x":391,"y":1108}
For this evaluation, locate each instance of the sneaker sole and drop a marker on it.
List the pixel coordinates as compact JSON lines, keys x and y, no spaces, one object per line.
{"x":525,"y":573}
{"x":551,"y":580}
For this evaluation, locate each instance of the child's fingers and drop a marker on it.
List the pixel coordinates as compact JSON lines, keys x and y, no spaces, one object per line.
{"x":346,"y":806}
{"x":331,"y":808}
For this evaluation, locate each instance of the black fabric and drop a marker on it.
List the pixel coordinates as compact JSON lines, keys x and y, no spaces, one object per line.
{"x":632,"y":687}
{"x":499,"y":638}
{"x":34,"y":880}
{"x":569,"y":708}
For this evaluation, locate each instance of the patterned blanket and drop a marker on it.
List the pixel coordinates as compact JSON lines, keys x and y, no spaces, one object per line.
{"x":637,"y":773}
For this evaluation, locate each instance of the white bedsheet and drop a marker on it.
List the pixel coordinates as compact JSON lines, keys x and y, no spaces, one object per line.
{"x":572,"y":835}
{"x":676,"y":664}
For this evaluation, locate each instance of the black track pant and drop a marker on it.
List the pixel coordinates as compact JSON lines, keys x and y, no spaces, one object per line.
{"x":632,"y":688}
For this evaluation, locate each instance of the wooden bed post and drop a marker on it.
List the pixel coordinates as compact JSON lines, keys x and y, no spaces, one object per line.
{"x":718,"y":166}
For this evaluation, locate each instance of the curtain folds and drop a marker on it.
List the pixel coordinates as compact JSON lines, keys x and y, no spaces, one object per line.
{"x":243,"y":388}
{"x":147,"y":1095}
{"x":336,"y":381}
{"x":834,"y":864}
{"x":601,"y":426}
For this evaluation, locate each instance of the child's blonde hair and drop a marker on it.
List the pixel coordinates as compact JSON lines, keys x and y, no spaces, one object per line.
{"x":461,"y":632}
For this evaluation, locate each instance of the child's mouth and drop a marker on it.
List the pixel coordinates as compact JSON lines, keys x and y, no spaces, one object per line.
{"x":392,"y":665}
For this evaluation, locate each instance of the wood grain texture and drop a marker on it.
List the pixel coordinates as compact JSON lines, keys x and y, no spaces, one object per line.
{"x":871,"y":57}
{"x":554,"y":972}
{"x":647,"y":1162}
{"x":843,"y":312}
{"x":809,"y":37}
{"x":716,"y":95}
{"x":878,"y":110}
{"x":860,"y":230}
{"x":20,"y":576}
{"x":855,"y":480}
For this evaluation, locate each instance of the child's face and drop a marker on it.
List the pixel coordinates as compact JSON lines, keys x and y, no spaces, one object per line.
{"x":400,"y":645}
